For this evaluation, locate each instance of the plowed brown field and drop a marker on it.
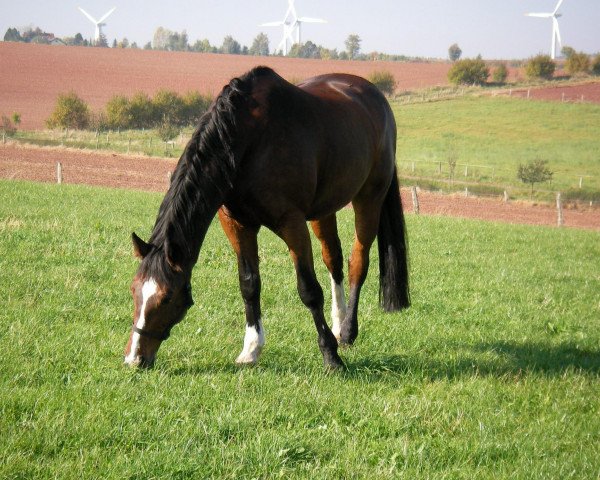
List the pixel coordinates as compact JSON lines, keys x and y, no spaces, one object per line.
{"x":32,"y":76}
{"x":585,"y":92}
{"x":145,"y":173}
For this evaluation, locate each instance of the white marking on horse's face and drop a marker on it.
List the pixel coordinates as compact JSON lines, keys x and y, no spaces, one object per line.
{"x":338,"y":307}
{"x":254,"y":341}
{"x":149,"y":288}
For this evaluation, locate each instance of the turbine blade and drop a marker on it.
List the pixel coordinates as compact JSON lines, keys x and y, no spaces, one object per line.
{"x":311,"y":20}
{"x":558,"y":6}
{"x":106,"y":15}
{"x":541,"y":15}
{"x":92,"y":19}
{"x":556,"y":30}
{"x":271,"y":24}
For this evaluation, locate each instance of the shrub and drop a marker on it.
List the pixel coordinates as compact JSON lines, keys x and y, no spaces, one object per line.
{"x":7,"y":126}
{"x":500,"y":73}
{"x":194,"y":106}
{"x":540,"y":66}
{"x":168,"y":107}
{"x":118,"y":112}
{"x":577,"y":62}
{"x":384,"y":81}
{"x":70,"y":112}
{"x":469,"y":72}
{"x":141,"y":109}
{"x":596,"y":65}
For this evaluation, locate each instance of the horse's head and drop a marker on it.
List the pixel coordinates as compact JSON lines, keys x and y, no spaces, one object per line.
{"x":161,"y":297}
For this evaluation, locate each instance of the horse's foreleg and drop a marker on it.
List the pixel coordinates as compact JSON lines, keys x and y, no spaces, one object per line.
{"x":295,"y":234}
{"x":331,"y":249}
{"x":243,"y":239}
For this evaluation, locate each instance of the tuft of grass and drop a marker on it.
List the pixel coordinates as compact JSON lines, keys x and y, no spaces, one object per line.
{"x":492,"y":373}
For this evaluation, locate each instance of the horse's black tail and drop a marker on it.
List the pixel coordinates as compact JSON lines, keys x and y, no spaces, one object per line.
{"x":393,"y":252}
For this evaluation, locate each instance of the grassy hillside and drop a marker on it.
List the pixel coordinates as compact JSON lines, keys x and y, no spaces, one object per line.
{"x":492,"y":373}
{"x":501,"y":133}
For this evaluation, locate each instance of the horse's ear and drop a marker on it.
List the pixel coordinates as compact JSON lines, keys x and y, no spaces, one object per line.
{"x":174,"y":255}
{"x":140,"y":248}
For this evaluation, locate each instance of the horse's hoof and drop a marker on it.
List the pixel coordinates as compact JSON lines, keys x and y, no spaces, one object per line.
{"x":246,"y":360}
{"x":334,"y":364}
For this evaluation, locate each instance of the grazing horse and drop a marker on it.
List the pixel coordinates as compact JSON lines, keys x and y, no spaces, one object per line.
{"x":271,"y":153}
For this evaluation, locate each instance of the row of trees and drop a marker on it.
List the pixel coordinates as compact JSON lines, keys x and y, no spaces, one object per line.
{"x":165,"y":109}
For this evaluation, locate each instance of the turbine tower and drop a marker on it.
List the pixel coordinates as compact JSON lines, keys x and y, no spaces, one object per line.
{"x":292,"y":27}
{"x":555,"y":31}
{"x":99,"y":23}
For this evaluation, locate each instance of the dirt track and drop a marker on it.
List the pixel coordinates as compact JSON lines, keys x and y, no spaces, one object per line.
{"x":146,"y":173}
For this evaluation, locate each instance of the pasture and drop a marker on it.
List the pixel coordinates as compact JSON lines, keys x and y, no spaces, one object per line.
{"x":494,"y":135}
{"x":492,"y":373}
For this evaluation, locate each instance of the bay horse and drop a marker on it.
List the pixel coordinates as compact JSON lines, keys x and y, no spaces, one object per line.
{"x":269,"y":153}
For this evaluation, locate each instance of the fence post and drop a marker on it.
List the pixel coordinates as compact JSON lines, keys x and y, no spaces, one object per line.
{"x":3,"y":138}
{"x":466,"y":191}
{"x":169,"y":174}
{"x":466,"y":170}
{"x":59,"y":176}
{"x":505,"y":196}
{"x":128,"y":144}
{"x":528,"y":93}
{"x":415,"y":200}
{"x":561,"y":220}
{"x":413,"y":167}
{"x":440,"y":167}
{"x":580,"y":182}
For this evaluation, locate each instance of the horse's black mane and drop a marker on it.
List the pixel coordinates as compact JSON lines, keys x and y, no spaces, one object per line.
{"x":204,"y":174}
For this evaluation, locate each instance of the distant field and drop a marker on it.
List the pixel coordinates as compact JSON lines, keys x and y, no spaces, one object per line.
{"x":32,"y":76}
{"x":499,"y":134}
{"x":494,"y":372}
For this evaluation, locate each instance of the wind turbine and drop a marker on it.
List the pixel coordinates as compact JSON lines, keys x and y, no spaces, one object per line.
{"x":555,"y":31}
{"x":292,"y":27}
{"x":99,"y":23}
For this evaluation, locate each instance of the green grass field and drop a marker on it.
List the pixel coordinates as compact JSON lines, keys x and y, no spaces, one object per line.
{"x":492,"y":373}
{"x":499,"y":134}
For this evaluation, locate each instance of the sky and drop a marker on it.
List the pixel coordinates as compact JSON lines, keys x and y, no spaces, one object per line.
{"x":495,"y":29}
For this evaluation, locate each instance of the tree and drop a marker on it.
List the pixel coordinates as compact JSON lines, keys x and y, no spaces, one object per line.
{"x":469,"y":72}
{"x":352,"y":44}
{"x":534,"y":172}
{"x":231,"y":46}
{"x":454,"y":52}
{"x":203,"y":46}
{"x":70,"y":112}
{"x":160,"y":40}
{"x":500,"y":73}
{"x":102,"y":41}
{"x":577,"y":62}
{"x":306,"y":50}
{"x":384,"y":81}
{"x":567,"y":51}
{"x":141,"y":109}
{"x":260,"y":45}
{"x":13,"y":35}
{"x":540,"y":66}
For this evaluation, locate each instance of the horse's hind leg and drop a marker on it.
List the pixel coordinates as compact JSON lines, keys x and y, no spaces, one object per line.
{"x":243,"y":239}
{"x":366,"y":224}
{"x":331,"y":249}
{"x":295,"y":234}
